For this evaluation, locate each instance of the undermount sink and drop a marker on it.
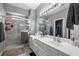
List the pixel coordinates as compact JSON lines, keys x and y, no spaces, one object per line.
{"x":55,"y":43}
{"x":51,"y":41}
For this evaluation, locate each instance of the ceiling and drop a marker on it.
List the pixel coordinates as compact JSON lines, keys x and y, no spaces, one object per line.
{"x":26,"y":5}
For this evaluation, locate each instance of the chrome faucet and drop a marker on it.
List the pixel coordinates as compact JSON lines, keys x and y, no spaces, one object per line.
{"x":57,"y":39}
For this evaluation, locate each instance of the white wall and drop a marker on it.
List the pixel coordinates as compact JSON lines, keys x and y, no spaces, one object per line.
{"x":75,"y":32}
{"x":10,"y":8}
{"x":32,"y":19}
{"x":53,"y":17}
{"x":2,"y":13}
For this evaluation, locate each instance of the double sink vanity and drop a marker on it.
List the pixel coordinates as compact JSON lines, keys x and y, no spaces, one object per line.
{"x":47,"y":46}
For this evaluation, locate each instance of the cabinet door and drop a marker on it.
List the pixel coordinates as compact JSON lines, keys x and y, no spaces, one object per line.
{"x":50,"y":51}
{"x":35,"y":48}
{"x":30,"y":43}
{"x":33,"y":45}
{"x":42,"y":52}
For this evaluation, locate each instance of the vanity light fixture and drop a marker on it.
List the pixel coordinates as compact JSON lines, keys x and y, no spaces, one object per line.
{"x":48,"y":9}
{"x":51,"y":7}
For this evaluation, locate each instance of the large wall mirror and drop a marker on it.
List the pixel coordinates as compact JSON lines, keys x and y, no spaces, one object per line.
{"x":58,"y":27}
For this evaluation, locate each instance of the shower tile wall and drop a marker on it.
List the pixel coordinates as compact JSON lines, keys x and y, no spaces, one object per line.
{"x":13,"y":36}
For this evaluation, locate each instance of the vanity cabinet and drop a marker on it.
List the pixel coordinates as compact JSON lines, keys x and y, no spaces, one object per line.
{"x":42,"y":49}
{"x":47,"y":50}
{"x":33,"y":45}
{"x":35,"y":48}
{"x":30,"y":43}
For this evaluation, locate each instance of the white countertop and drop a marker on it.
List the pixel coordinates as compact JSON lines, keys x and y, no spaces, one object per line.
{"x":63,"y":46}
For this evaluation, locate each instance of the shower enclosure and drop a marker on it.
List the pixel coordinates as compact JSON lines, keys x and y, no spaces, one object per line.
{"x":13,"y":36}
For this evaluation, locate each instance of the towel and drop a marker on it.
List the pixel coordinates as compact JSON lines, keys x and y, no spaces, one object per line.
{"x":73,"y":15}
{"x":51,"y":31}
{"x":2,"y":37}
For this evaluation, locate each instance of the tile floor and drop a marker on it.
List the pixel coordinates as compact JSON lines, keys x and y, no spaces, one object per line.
{"x":22,"y":50}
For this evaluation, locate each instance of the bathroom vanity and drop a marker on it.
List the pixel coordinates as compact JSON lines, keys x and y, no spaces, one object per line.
{"x":46,"y":46}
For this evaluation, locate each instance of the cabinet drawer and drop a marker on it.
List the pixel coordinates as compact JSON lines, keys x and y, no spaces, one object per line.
{"x":49,"y":50}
